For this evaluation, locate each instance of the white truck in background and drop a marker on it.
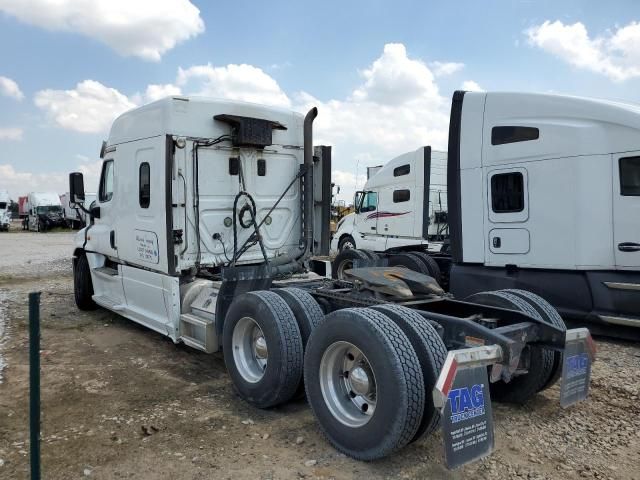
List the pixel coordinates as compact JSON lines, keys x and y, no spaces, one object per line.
{"x":5,"y":213}
{"x":208,"y":210}
{"x":74,"y":216}
{"x":391,"y":210}
{"x":543,"y":194}
{"x":44,"y":211}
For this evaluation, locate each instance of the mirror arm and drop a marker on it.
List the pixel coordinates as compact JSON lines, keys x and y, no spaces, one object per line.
{"x":80,"y":206}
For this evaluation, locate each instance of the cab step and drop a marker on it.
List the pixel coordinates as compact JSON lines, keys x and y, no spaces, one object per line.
{"x":112,"y":272}
{"x":198,"y":332}
{"x":108,"y":303}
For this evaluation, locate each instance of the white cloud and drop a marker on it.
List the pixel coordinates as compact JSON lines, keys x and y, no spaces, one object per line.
{"x":9,"y":88}
{"x":394,"y":78}
{"x":236,"y":82}
{"x":441,"y":69}
{"x":279,"y":66}
{"x":91,"y":172}
{"x":21,"y":182}
{"x":397,"y":108}
{"x":88,"y":108}
{"x":156,"y":92}
{"x":471,"y":86}
{"x":142,"y":28}
{"x":615,"y":55}
{"x":91,"y":106}
{"x":348,"y":182}
{"x":11,"y":133}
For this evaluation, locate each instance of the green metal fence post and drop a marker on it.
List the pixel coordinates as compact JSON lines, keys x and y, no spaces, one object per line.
{"x":34,"y":382}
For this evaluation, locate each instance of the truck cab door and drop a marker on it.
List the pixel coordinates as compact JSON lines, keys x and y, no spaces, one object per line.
{"x":626,"y":210}
{"x":102,"y":242}
{"x":103,"y":231}
{"x":368,"y":237}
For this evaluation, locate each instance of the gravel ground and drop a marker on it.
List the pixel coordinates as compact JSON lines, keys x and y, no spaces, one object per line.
{"x":120,"y":401}
{"x":29,"y":254}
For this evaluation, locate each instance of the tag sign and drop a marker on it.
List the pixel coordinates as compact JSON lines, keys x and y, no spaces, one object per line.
{"x":146,"y":246}
{"x":467,"y":419}
{"x":579,"y":353}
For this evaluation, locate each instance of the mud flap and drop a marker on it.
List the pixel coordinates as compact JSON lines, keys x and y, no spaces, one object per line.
{"x":462,"y":395}
{"x":579,"y":354}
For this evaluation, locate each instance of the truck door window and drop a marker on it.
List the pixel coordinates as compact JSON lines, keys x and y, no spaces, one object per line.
{"x":144,"y":185}
{"x":630,"y":176}
{"x":402,"y":170}
{"x":370,"y":202}
{"x":106,"y":181}
{"x":507,"y":192}
{"x":502,"y":135}
{"x":401,"y":196}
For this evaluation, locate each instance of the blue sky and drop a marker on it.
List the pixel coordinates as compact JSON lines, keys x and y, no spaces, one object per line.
{"x":371,"y":68}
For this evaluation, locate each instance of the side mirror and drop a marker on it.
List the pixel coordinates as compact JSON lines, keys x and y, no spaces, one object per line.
{"x":94,"y":211}
{"x":76,"y":187}
{"x":357,"y":200}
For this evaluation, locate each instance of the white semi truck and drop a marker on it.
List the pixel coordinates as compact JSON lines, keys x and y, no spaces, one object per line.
{"x":543,"y":194}
{"x":5,"y":213}
{"x":206,"y":212}
{"x":393,"y":211}
{"x":44,"y":211}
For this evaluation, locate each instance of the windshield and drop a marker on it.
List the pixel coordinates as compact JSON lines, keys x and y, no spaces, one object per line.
{"x":49,"y":209}
{"x":3,"y":205}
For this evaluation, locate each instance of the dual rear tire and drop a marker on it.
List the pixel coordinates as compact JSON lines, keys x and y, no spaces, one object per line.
{"x":544,"y":366}
{"x":368,"y":372}
{"x":417,"y":261}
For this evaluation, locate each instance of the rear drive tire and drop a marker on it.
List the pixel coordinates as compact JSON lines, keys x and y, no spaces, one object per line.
{"x":347,"y":242}
{"x":430,"y":264}
{"x":550,"y":315}
{"x":371,"y":254}
{"x":82,"y":284}
{"x":364,"y":383}
{"x":431,"y":352}
{"x":345,"y":260}
{"x":308,"y":315}
{"x":522,"y":387}
{"x":262,"y":348}
{"x":410,"y":261}
{"x":305,"y":308}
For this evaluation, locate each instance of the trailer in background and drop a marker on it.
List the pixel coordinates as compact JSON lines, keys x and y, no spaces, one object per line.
{"x":74,"y":216}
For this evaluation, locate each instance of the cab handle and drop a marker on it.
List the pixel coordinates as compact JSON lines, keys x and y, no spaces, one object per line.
{"x":629,"y":247}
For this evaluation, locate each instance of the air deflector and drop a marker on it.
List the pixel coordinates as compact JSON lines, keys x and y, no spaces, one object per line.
{"x":250,"y":132}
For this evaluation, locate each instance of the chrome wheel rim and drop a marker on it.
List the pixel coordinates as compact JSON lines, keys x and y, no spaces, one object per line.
{"x":348,"y":245}
{"x":250,"y":352}
{"x":348,"y":384}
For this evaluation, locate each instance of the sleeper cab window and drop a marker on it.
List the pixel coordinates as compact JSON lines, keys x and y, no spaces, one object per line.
{"x":402,"y":170}
{"x":630,"y":176}
{"x":144,"y":185}
{"x":513,"y":134}
{"x":401,"y":196}
{"x":106,"y":182}
{"x":507,"y":192}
